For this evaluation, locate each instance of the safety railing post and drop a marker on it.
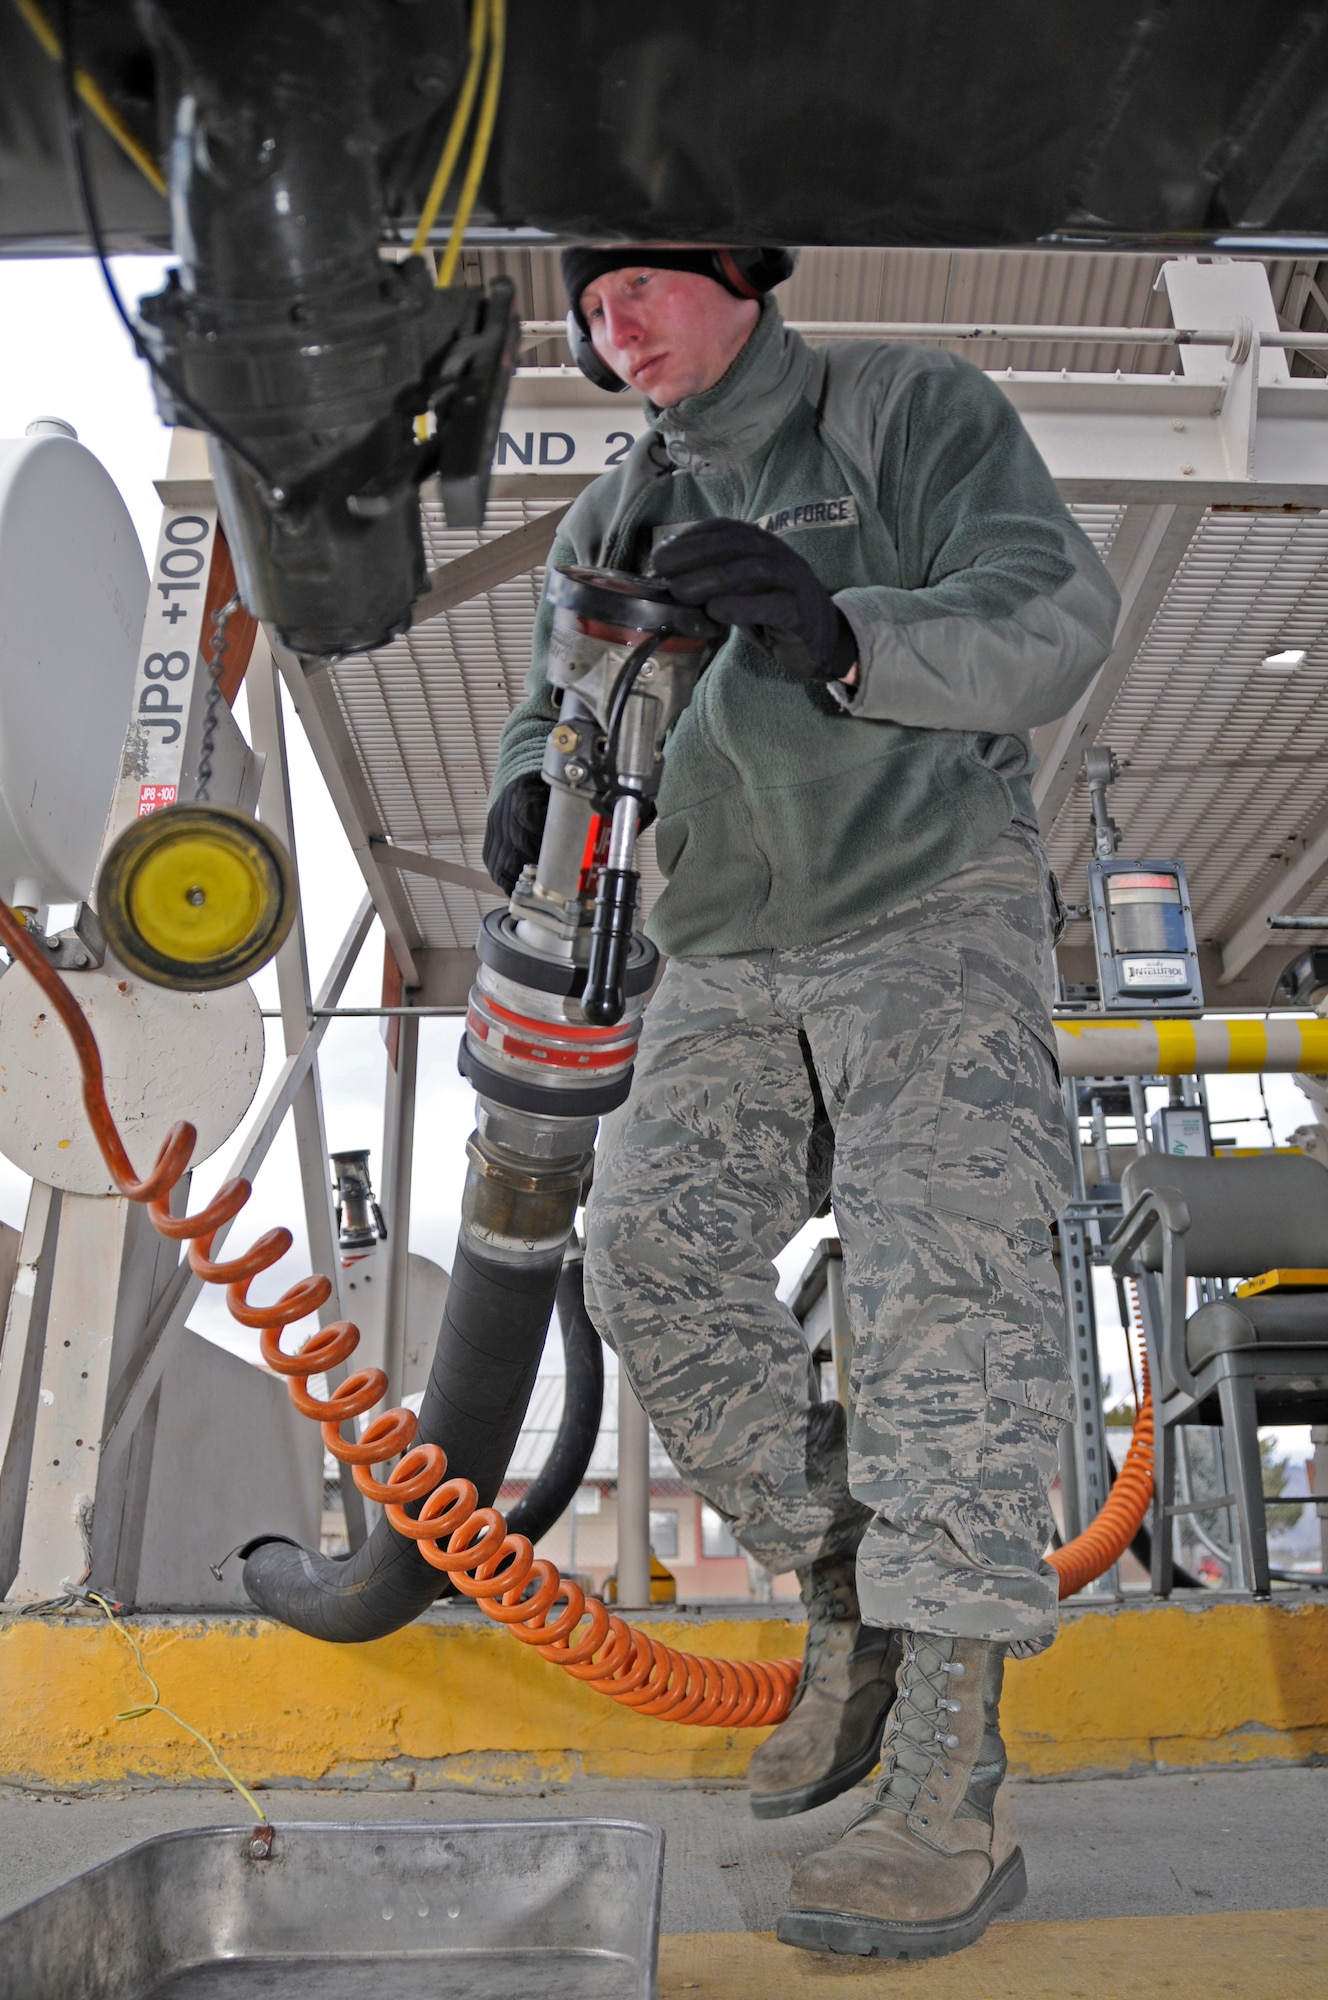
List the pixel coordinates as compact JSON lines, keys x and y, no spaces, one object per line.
{"x":633,"y":1498}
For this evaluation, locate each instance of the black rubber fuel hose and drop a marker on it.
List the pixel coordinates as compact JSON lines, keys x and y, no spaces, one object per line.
{"x":493,"y":1332}
{"x":552,"y":1492}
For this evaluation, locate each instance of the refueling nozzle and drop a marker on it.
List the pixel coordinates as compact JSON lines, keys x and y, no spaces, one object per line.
{"x":555,"y":1013}
{"x":358,"y":1215}
{"x":626,"y":658}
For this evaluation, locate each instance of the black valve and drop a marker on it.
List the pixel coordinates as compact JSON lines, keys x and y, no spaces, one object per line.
{"x":605,"y":995}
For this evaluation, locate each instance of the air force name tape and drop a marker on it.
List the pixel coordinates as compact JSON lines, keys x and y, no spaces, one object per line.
{"x":814,"y":514}
{"x":841,"y":513}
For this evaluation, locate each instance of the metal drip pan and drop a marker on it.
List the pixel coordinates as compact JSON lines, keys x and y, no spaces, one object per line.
{"x":504,"y":1910}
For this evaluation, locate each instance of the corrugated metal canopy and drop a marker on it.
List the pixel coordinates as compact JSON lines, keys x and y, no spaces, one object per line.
{"x":1026,"y":287}
{"x":1224,"y":759}
{"x":425,"y":716}
{"x":1224,"y":762}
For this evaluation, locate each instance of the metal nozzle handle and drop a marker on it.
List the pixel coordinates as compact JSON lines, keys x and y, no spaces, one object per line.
{"x":605,"y":996}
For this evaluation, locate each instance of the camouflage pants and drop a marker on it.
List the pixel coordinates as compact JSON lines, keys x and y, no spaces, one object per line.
{"x":908,"y":1069}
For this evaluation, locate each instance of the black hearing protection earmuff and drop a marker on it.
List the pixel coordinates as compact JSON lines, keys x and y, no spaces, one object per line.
{"x":748,"y":271}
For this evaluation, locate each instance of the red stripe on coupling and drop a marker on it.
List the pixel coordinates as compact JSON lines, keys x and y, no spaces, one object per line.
{"x":519,"y":1049}
{"x":568,"y":1028}
{"x":565,"y":1058}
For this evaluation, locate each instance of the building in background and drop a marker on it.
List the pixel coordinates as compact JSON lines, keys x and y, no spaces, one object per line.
{"x":689,"y":1537}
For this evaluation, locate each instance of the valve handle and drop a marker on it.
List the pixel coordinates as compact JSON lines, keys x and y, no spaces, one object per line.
{"x":605,"y":994}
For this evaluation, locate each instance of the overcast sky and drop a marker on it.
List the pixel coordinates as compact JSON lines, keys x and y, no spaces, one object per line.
{"x":64,"y":353}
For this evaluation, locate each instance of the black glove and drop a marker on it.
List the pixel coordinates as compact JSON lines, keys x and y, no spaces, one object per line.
{"x":514,"y":828}
{"x":745,"y":576}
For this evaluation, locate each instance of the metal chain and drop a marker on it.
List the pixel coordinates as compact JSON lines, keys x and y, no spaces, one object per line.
{"x":221,"y":618}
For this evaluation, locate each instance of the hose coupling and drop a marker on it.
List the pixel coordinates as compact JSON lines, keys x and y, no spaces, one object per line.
{"x":517,"y":1206}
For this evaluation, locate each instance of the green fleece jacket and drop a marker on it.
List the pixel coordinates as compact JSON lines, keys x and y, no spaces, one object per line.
{"x":788,"y":815}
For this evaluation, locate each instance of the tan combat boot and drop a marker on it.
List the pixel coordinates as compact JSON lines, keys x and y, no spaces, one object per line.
{"x":925,"y":1868}
{"x":832,"y":1736}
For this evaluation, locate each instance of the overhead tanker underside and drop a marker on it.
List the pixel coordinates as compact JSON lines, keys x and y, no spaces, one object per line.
{"x":898,"y":123}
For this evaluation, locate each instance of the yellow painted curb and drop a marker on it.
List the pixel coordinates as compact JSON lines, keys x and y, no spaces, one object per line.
{"x":1163,"y":1685}
{"x":1249,"y":1955}
{"x":448,"y":1702}
{"x":435,"y":1703}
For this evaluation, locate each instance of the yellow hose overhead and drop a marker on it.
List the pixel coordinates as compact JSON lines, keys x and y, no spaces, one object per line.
{"x":488,"y":29}
{"x":94,"y":97}
{"x":456,"y":131}
{"x":483,"y":139}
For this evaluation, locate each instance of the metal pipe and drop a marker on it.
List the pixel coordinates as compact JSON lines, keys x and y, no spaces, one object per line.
{"x":1101,"y":1144}
{"x":398,"y":1165}
{"x":939,"y":329}
{"x":373,"y":1013}
{"x":1192,"y":1048}
{"x":1319,"y":1439}
{"x":633,"y":1498}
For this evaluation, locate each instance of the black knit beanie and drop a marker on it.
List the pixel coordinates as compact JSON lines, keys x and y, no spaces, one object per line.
{"x":585,"y":262}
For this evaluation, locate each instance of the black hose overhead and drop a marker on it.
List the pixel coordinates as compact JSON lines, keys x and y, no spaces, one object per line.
{"x":493,"y":1331}
{"x":552,"y":1492}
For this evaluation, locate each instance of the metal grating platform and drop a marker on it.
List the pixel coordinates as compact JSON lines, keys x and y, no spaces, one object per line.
{"x":425,"y":715}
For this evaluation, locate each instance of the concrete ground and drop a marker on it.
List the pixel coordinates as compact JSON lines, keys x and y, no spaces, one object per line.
{"x":1107,"y":1848}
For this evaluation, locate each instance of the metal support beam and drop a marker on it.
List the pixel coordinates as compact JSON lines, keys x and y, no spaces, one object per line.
{"x":268,"y":732}
{"x":1252,"y":934}
{"x":315,"y":703}
{"x":1085,"y":1491}
{"x":412,"y":863}
{"x":1319,"y":1439}
{"x":21,"y":1367}
{"x":1148,"y":551}
{"x":398,"y":1156}
{"x":134,"y":1390}
{"x":107,"y":1273}
{"x":485,"y":567}
{"x":967,"y":331}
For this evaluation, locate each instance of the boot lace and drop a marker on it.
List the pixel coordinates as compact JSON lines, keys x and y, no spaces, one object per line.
{"x":917,"y":1731}
{"x":831,"y":1601}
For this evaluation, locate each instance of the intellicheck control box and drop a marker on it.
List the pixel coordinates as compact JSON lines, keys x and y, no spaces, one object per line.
{"x":1143,"y":930}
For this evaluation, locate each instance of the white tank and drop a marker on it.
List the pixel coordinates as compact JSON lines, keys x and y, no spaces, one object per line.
{"x":73,"y":591}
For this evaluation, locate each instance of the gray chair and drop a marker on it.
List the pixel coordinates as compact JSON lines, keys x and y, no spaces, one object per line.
{"x":1235,"y":1362}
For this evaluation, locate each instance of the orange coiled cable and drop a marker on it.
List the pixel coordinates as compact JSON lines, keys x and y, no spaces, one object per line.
{"x":482,"y":1559}
{"x":471,"y":1544}
{"x":1105,"y":1539}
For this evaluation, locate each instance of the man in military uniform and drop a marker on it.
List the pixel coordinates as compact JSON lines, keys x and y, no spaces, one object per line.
{"x":858,"y":920}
